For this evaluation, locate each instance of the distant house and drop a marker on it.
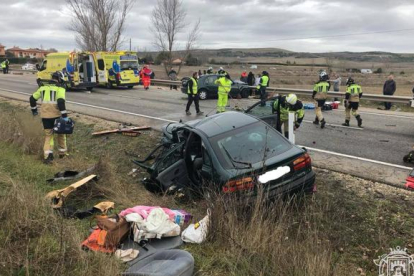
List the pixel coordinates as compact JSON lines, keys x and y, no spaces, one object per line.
{"x":31,"y":53}
{"x":177,"y":61}
{"x":366,"y":71}
{"x":2,"y":50}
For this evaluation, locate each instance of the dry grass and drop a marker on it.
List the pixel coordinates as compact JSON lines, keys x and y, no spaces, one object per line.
{"x":35,"y":241}
{"x":270,"y":238}
{"x":22,"y":130}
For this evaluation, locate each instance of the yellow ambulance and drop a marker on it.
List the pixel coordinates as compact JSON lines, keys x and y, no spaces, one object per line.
{"x":79,"y":69}
{"x":116,"y":69}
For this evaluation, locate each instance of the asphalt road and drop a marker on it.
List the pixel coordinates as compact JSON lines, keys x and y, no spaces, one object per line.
{"x":386,"y":137}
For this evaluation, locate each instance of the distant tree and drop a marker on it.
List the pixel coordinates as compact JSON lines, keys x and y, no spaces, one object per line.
{"x":192,"y":61}
{"x":53,"y":50}
{"x":99,"y":24}
{"x":9,"y":54}
{"x":212,"y":61}
{"x":378,"y":71}
{"x":168,"y":20}
{"x":402,"y":73}
{"x":162,"y":57}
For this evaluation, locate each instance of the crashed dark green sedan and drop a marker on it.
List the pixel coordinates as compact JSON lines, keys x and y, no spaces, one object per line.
{"x":235,"y":151}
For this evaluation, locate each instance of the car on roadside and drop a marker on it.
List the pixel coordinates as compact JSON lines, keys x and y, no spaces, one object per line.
{"x":233,"y":151}
{"x":207,"y":89}
{"x":29,"y":66}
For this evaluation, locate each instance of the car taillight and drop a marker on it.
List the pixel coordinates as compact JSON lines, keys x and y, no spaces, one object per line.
{"x":302,"y":162}
{"x":245,"y":183}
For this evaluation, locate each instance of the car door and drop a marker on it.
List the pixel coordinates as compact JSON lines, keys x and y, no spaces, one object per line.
{"x":265,"y":113}
{"x":210,"y":85}
{"x":171,"y":169}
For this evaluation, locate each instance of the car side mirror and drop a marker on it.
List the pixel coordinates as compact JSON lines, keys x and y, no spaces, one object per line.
{"x":198,"y":163}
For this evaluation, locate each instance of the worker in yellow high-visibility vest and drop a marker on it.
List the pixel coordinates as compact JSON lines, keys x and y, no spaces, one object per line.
{"x":224,"y":88}
{"x":53,"y":107}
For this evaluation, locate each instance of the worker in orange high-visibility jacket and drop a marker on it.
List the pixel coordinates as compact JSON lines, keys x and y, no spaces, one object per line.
{"x":53,"y":107}
{"x":146,"y":76}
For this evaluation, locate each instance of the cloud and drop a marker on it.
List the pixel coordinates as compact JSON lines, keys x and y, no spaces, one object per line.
{"x":233,"y":23}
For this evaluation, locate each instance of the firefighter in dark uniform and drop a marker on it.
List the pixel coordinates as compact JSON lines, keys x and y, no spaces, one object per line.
{"x":53,"y":107}
{"x":352,"y":96}
{"x":320,"y":93}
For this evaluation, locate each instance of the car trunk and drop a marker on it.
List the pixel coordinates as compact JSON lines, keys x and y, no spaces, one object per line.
{"x":284,"y":183}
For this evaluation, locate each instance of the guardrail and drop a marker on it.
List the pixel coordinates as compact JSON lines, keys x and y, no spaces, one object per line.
{"x":305,"y":92}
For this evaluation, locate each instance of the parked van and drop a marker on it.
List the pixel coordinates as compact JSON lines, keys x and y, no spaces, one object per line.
{"x":117,"y":69}
{"x":78,"y":68}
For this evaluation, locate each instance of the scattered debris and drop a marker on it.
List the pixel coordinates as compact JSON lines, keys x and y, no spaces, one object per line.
{"x":70,"y":175}
{"x":131,"y":134}
{"x":58,"y":196}
{"x":391,"y":125}
{"x":410,"y":180}
{"x":121,"y":130}
{"x":385,"y":141}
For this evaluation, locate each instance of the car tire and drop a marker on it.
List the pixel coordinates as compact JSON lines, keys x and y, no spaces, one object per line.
{"x":203,"y":94}
{"x":245,"y":93}
{"x":89,"y":89}
{"x":130,"y":87}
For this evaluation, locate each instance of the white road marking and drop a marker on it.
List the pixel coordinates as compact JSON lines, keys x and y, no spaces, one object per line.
{"x":358,"y":158}
{"x":381,"y":114}
{"x":102,"y":108}
{"x":356,"y":128}
{"x":165,"y":120}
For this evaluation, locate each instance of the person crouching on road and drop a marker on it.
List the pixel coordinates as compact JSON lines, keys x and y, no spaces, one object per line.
{"x":224,"y":88}
{"x":263,"y":84}
{"x":352,"y":96}
{"x":285,"y":104}
{"x":193,"y":95}
{"x":53,"y":107}
{"x":320,"y":93}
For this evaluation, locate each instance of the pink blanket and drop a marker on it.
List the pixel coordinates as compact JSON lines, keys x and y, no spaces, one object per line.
{"x":144,"y":211}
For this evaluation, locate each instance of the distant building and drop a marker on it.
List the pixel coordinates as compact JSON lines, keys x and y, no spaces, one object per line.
{"x":2,"y":50}
{"x":366,"y":71}
{"x":31,"y":53}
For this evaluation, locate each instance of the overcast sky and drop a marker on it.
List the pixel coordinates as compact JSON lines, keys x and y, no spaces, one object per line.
{"x":234,"y":24}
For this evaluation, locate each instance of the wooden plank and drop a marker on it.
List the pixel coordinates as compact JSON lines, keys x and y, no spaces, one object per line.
{"x":120,"y":130}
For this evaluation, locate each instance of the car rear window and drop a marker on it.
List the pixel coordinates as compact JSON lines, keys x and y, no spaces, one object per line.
{"x":252,"y":143}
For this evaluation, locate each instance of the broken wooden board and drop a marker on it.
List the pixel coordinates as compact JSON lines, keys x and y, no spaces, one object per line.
{"x":131,"y":133}
{"x":57,"y":196}
{"x":120,"y":130}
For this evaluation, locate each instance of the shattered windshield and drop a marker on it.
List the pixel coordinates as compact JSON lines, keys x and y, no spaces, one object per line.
{"x":253,"y":143}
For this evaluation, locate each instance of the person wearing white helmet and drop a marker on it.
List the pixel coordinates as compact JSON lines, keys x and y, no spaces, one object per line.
{"x":210,"y":70}
{"x":285,"y":104}
{"x":320,"y":93}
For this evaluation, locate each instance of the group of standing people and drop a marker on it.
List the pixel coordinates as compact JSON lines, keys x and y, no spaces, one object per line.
{"x":5,"y":66}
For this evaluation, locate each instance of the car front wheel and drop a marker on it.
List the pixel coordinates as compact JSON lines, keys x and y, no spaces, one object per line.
{"x":203,"y":94}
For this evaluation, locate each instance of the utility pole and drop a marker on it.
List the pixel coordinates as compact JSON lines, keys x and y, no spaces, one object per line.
{"x":130,"y":44}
